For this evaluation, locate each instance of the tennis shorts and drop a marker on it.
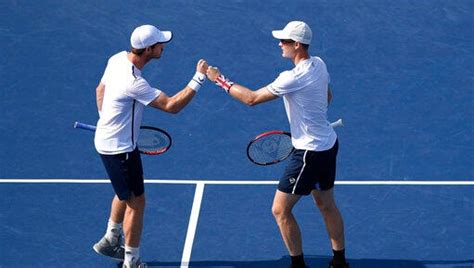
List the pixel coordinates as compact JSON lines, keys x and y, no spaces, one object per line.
{"x":309,"y":170}
{"x":126,"y":173}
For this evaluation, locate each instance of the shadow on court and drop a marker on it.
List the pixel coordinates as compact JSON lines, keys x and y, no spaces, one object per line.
{"x":322,"y":261}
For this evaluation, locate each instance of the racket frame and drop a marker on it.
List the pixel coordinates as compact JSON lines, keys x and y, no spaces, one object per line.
{"x":157,"y":152}
{"x":162,"y":150}
{"x":335,"y":124}
{"x":264,"y":134}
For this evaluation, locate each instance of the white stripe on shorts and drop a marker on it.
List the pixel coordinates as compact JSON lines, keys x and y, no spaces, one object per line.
{"x":301,"y":172}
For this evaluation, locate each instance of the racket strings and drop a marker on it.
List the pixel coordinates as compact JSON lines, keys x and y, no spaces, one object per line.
{"x":270,"y":148}
{"x":151,"y":141}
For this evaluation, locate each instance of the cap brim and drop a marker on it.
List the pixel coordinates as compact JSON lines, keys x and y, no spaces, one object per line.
{"x":279,"y":34}
{"x":166,"y":36}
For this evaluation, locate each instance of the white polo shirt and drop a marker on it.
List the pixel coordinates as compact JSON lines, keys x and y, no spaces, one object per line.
{"x":126,"y":94}
{"x":305,"y":94}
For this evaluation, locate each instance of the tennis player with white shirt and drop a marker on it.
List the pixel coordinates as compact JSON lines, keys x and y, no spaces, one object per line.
{"x":121,"y":96}
{"x":312,"y":167}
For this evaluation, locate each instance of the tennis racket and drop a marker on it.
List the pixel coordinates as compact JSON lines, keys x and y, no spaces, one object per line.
{"x":274,"y":146}
{"x":152,"y":140}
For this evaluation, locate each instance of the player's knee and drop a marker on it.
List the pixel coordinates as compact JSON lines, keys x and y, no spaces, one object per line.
{"x":276,"y":211}
{"x":280,"y":212}
{"x":137,"y":202}
{"x":326,"y":206}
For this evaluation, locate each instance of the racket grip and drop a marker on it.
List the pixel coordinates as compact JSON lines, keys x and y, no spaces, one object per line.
{"x":84,"y":126}
{"x":337,"y":123}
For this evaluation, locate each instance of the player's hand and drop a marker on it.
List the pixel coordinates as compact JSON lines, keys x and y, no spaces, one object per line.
{"x":212,"y":73}
{"x":202,"y":66}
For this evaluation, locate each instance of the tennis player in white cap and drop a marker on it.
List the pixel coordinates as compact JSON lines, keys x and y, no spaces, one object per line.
{"x":312,"y":167}
{"x":121,"y":96}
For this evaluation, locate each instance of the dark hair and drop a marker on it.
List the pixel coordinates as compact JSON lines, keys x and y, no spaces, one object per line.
{"x":305,"y":46}
{"x":140,"y":51}
{"x":137,"y":51}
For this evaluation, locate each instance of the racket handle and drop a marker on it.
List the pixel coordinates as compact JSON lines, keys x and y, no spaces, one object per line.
{"x":84,"y":126}
{"x":337,"y":123}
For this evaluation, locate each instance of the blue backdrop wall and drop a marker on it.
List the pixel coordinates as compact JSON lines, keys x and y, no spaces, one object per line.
{"x":401,"y":75}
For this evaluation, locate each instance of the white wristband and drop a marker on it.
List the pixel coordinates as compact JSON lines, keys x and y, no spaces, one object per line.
{"x":197,"y":81}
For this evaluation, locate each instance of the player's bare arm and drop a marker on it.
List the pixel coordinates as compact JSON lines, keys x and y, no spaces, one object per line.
{"x":99,"y":95}
{"x":329,"y":95}
{"x":177,"y":102}
{"x":239,"y":92}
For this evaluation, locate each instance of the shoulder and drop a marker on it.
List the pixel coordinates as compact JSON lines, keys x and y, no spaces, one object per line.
{"x":317,"y":59}
{"x":318,"y":62}
{"x":286,"y":78}
{"x":120,"y":56}
{"x":140,"y":82}
{"x":285,"y":83}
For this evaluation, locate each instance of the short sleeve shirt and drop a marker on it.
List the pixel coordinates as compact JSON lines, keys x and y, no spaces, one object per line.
{"x":125,"y":96}
{"x":305,"y":92}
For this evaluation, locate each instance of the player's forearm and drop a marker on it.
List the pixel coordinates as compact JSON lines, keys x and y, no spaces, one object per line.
{"x":239,"y":92}
{"x":180,"y":100}
{"x":99,"y":96}
{"x":243,"y":94}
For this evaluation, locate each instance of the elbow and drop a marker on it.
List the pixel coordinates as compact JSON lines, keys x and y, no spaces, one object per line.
{"x":173,"y":109}
{"x":250,"y":101}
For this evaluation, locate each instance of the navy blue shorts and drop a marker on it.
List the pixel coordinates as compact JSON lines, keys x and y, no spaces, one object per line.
{"x":309,"y":170}
{"x":126,"y":173}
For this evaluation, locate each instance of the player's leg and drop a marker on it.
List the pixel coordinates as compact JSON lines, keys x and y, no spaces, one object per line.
{"x":111,"y":244}
{"x":133,"y":226}
{"x":334,"y":225}
{"x":133,"y":220}
{"x":324,"y":167}
{"x":114,"y":226}
{"x":292,"y":185}
{"x":117,"y":210}
{"x":283,"y":204}
{"x":331,"y":215}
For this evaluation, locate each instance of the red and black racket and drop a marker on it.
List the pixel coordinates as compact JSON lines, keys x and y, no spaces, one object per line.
{"x":151,"y":140}
{"x":274,"y":146}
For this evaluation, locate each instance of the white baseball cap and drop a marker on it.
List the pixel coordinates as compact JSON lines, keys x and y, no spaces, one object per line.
{"x":295,"y":30}
{"x":148,"y":35}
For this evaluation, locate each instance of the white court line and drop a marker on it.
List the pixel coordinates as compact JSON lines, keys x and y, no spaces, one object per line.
{"x":198,"y":195}
{"x":193,"y":220}
{"x":248,"y":182}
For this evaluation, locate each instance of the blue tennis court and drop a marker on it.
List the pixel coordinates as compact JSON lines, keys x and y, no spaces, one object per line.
{"x":229,"y":224}
{"x":401,"y":74}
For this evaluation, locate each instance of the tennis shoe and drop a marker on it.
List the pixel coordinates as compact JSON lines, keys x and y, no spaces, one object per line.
{"x":106,"y":248}
{"x":134,"y":263}
{"x":332,"y":265}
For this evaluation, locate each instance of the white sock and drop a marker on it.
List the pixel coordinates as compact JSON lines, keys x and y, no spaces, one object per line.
{"x":131,"y":253}
{"x":114,"y":230}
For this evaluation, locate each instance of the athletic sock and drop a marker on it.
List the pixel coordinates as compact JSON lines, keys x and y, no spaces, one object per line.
{"x":339,"y":256}
{"x":131,"y":254}
{"x":114,"y":230}
{"x":297,"y":261}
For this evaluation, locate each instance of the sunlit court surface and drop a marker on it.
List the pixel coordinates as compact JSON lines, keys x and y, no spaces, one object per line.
{"x":401,"y":74}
